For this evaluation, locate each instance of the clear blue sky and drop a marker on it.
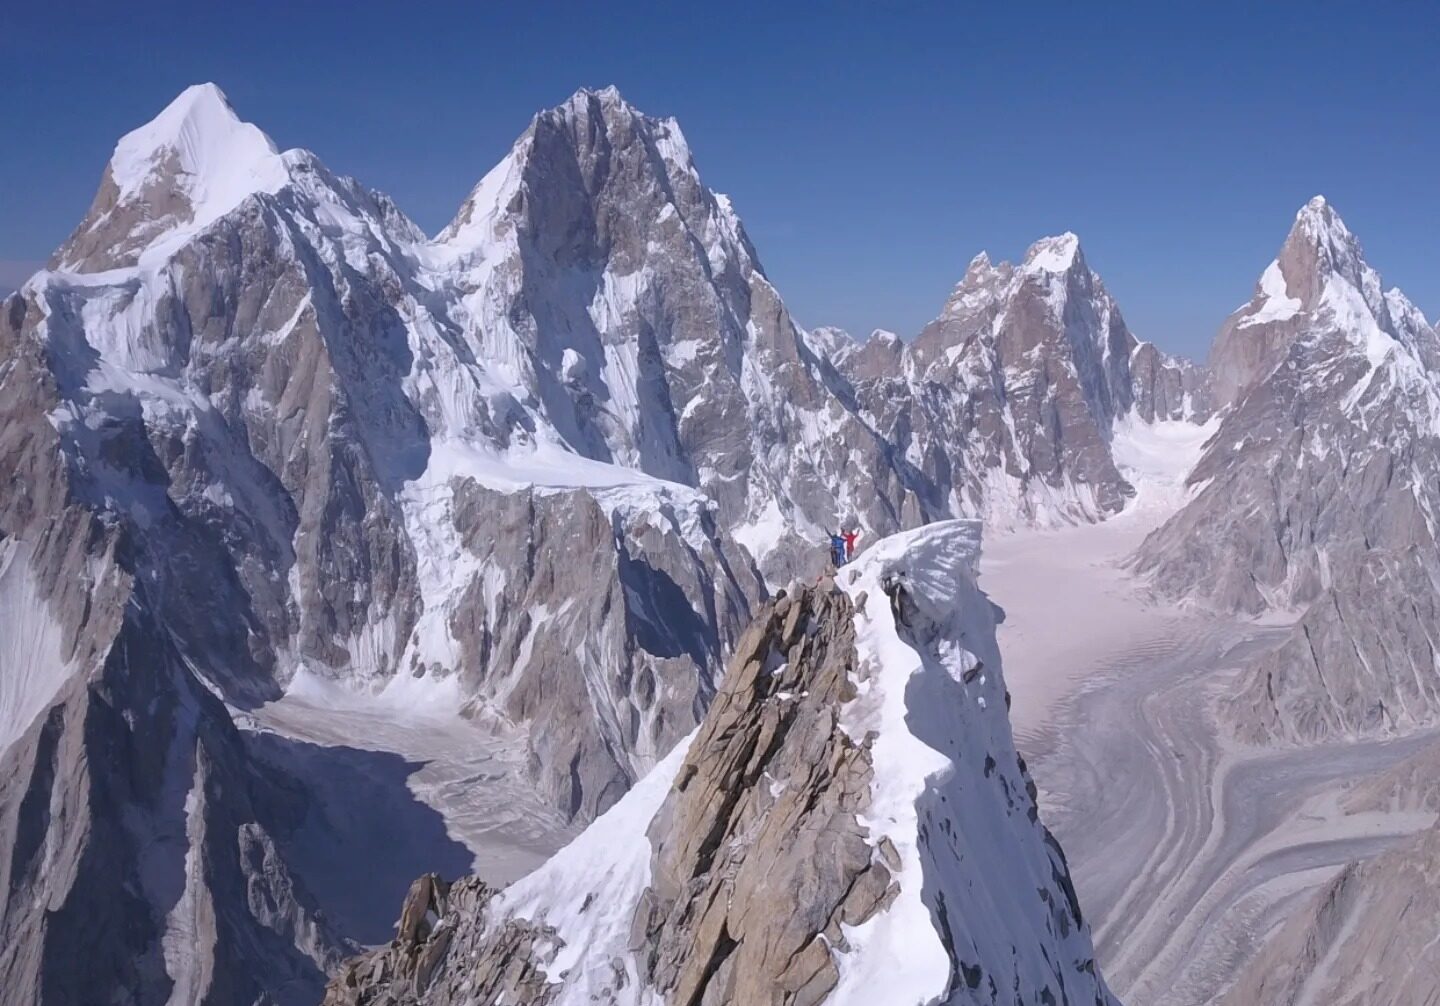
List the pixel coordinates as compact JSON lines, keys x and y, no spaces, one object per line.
{"x":871,"y":151}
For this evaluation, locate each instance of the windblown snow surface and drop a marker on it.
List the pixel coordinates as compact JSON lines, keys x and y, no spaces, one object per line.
{"x":971,"y":854}
{"x":947,"y":791}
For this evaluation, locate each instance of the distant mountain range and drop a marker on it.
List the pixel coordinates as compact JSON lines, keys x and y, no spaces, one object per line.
{"x":257,"y":431}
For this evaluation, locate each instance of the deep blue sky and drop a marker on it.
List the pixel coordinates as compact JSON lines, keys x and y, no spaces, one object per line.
{"x":871,"y":151}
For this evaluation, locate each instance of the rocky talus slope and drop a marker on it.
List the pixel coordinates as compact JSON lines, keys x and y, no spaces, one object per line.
{"x":852,"y":798}
{"x":1360,"y":661}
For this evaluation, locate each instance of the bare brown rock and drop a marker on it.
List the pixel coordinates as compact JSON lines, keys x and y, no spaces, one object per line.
{"x":758,"y":852}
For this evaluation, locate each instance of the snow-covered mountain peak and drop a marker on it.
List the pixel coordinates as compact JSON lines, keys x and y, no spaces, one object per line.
{"x":1057,"y":254}
{"x":1320,"y":246}
{"x":984,"y":283}
{"x":1318,"y":215}
{"x":200,"y":144}
{"x":187,"y":167}
{"x":608,"y":110}
{"x":607,"y":96}
{"x":982,"y":271}
{"x":987,"y":285}
{"x":574,"y":159}
{"x":1319,"y":282}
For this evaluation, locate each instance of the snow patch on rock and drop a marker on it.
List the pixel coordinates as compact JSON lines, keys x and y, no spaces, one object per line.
{"x":1275,"y":302}
{"x":33,"y":666}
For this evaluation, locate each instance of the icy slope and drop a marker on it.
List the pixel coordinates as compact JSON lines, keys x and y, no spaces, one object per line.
{"x":850,"y":824}
{"x":33,"y":662}
{"x":969,"y":842}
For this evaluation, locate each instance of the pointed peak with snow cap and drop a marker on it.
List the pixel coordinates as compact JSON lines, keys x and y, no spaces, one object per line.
{"x":982,"y":271}
{"x":1057,"y":254}
{"x":608,"y":96}
{"x":609,"y":106}
{"x":1318,"y":246}
{"x":1320,"y":282}
{"x":618,"y":120}
{"x":185,"y":168}
{"x":199,"y":138}
{"x":589,"y":174}
{"x":982,"y":283}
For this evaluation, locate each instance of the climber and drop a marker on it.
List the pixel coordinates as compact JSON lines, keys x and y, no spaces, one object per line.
{"x":850,"y":537}
{"x":837,"y":550}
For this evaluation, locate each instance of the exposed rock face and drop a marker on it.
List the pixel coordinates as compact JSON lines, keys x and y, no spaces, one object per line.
{"x":1168,"y":387}
{"x":1365,"y":938}
{"x":287,"y":410}
{"x":611,"y":668}
{"x":289,"y":386}
{"x":1320,"y":490}
{"x":1330,"y":440}
{"x":624,"y":296}
{"x":1361,"y":660}
{"x":1293,"y":289}
{"x":140,"y":843}
{"x":759,"y":856}
{"x":503,"y":967}
{"x":261,"y":431}
{"x":802,"y":841}
{"x":626,"y":301}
